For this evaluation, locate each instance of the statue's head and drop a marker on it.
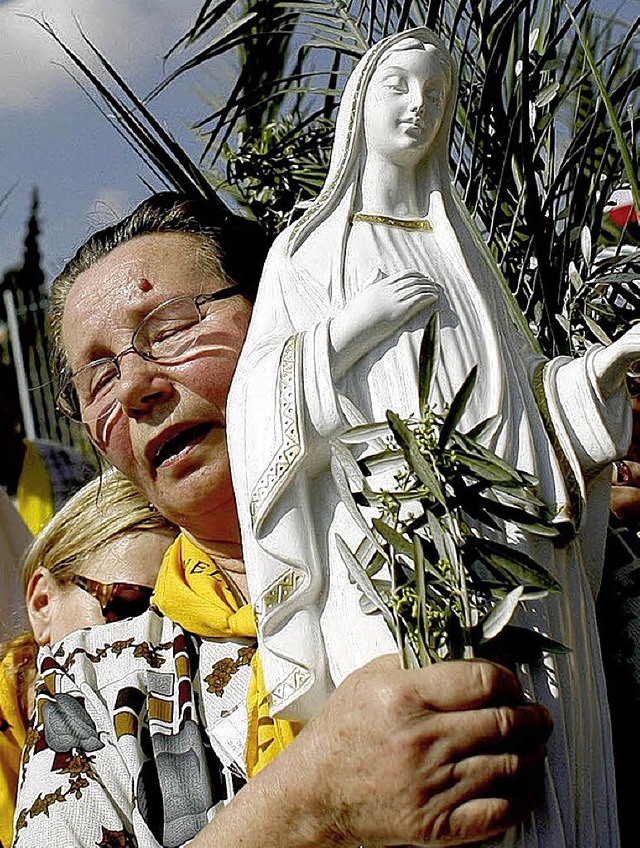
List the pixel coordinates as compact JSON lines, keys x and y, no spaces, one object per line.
{"x":398,"y":102}
{"x":406,"y":73}
{"x":405,"y":100}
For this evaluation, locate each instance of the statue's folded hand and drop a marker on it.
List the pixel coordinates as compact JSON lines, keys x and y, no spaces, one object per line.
{"x":383,"y":306}
{"x":390,"y":301}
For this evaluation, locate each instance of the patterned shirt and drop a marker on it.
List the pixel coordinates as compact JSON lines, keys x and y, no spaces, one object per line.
{"x":138,"y":736}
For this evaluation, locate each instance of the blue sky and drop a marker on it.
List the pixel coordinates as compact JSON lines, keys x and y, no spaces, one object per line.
{"x":52,"y":137}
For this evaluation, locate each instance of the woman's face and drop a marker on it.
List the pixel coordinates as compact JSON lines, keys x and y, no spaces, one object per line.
{"x":134,"y":558}
{"x":167,"y":431}
{"x":405,"y":104}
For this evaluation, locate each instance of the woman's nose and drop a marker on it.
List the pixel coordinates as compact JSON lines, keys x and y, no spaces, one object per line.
{"x":141,"y":385}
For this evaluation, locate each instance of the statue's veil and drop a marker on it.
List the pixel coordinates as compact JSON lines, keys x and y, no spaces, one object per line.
{"x":335,"y":203}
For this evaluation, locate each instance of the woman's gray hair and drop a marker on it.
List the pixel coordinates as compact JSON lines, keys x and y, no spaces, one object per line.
{"x":233,"y":247}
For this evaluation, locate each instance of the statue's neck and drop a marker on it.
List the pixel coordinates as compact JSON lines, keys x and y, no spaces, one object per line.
{"x":388,"y":188}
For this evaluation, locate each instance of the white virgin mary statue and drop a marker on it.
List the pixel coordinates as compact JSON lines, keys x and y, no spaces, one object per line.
{"x":334,"y":339}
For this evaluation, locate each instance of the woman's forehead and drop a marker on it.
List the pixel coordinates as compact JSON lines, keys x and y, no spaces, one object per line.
{"x":121,"y":288}
{"x":172,"y":261}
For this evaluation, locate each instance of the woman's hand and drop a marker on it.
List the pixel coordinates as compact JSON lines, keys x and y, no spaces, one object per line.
{"x":445,"y":755}
{"x":383,"y":306}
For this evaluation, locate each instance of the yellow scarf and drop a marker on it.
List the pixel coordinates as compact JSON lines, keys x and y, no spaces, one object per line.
{"x":34,"y":494}
{"x":13,"y":733}
{"x":192,"y":591}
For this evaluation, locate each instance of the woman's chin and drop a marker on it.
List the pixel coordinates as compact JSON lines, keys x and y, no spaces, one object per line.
{"x":192,"y":496}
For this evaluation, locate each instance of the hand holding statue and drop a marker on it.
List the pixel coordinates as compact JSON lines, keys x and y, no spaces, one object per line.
{"x":450,"y":754}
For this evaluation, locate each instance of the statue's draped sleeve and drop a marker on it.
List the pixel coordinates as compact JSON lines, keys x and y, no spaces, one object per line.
{"x":281,"y":409}
{"x":591,"y":431}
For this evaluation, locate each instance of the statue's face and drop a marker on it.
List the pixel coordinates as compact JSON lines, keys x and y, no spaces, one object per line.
{"x":405,"y":104}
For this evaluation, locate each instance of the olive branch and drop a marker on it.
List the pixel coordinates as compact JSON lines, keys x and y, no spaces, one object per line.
{"x":451,"y":590}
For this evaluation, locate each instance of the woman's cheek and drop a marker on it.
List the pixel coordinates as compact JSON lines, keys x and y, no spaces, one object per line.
{"x":112,"y":438}
{"x":210,"y":376}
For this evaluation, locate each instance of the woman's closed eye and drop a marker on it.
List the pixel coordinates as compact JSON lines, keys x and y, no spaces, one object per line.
{"x":102,"y":376}
{"x":171,"y":330}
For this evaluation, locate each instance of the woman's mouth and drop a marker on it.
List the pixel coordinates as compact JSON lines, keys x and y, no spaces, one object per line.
{"x":178,"y":445}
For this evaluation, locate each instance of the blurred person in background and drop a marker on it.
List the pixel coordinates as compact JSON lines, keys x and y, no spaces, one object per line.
{"x":95,"y":562}
{"x":618,"y":609}
{"x":39,"y":475}
{"x":14,"y":538}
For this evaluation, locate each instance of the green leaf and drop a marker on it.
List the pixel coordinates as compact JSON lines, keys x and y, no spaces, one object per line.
{"x":627,"y":158}
{"x":383,"y":461}
{"x":367,"y":554}
{"x":342,"y":485}
{"x":531,"y":522}
{"x":420,"y":581}
{"x":470,"y":504}
{"x":438,"y":536}
{"x":519,"y":645}
{"x":375,"y":565}
{"x":427,"y":359}
{"x":475,"y":432}
{"x":458,"y":406}
{"x":547,"y":94}
{"x":428,"y":547}
{"x":474,"y":448}
{"x":349,"y":465}
{"x":597,"y":331}
{"x":418,"y":464}
{"x":362,"y":581}
{"x":522,"y":496}
{"x":488,"y":470}
{"x":414,"y":494}
{"x":614,"y":279}
{"x":397,"y":541}
{"x":383,"y":588}
{"x":515,"y":563}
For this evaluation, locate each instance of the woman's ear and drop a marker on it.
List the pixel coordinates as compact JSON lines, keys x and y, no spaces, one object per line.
{"x":40,"y":591}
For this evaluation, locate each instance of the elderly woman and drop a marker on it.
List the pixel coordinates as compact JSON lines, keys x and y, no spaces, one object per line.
{"x":334,"y":342}
{"x":147,"y":323}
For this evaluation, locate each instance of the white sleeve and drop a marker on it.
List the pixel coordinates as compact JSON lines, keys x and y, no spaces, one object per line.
{"x":598,"y":431}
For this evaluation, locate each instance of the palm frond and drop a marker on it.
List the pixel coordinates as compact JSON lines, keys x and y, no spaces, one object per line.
{"x":535,"y":146}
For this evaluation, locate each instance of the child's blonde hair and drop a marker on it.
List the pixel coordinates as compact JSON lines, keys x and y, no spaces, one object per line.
{"x":106,"y":509}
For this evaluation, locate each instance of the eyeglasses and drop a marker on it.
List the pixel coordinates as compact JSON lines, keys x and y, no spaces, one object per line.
{"x":117,"y":600}
{"x":169,"y":334}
